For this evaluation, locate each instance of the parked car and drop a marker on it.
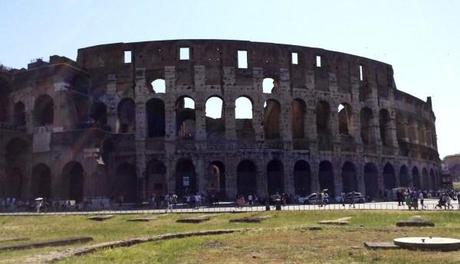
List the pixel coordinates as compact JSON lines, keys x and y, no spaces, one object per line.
{"x":313,"y":198}
{"x":355,"y":197}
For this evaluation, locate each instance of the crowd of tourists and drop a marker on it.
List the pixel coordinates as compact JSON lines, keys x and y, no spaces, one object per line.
{"x":410,"y":197}
{"x":415,"y":199}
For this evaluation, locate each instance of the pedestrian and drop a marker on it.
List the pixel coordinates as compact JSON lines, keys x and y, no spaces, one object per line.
{"x":250,"y":200}
{"x":420,"y":197}
{"x":458,"y":200}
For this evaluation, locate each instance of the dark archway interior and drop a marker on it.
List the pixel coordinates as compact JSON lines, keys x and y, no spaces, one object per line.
{"x":156,"y":179}
{"x":125,"y":184}
{"x":384,"y":121}
{"x":326,"y":177}
{"x":302,"y":178}
{"x":404,"y":179}
{"x":272,"y":113}
{"x":349,"y":181}
{"x":416,"y":178}
{"x":44,"y":110}
{"x":156,"y":118}
{"x":216,"y":179}
{"x":344,"y":119}
{"x":370,"y":180}
{"x":389,"y":179}
{"x":19,"y":114}
{"x":41,"y":181}
{"x":185,"y":178}
{"x":73,"y":175}
{"x":14,"y":180}
{"x":127,"y":116}
{"x":366,"y":126}
{"x":275,"y":177}
{"x":98,"y":114}
{"x":322,"y":118}
{"x":246,"y":178}
{"x":185,"y":119}
{"x":298,"y":110}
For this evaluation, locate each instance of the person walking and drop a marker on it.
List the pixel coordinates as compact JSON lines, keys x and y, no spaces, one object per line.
{"x":420,"y":197}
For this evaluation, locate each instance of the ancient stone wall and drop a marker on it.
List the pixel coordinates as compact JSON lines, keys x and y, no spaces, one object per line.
{"x":131,"y":120}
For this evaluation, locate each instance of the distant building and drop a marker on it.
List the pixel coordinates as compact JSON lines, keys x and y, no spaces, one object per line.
{"x":451,"y":164}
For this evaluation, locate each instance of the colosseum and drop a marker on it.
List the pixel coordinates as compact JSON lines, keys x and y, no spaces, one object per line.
{"x":218,"y":117}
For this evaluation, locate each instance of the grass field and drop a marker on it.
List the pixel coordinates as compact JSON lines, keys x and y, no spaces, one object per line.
{"x":283,"y":238}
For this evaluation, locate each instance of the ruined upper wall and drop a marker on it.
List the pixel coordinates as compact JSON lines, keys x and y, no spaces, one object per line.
{"x":154,"y":56}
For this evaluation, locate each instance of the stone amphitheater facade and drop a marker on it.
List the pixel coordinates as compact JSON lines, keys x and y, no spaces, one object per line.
{"x":131,"y":120}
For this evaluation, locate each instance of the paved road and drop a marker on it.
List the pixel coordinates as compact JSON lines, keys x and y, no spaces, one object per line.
{"x":430,"y":205}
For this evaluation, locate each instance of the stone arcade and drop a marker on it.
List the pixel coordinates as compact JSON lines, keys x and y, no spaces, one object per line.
{"x":132,"y":120}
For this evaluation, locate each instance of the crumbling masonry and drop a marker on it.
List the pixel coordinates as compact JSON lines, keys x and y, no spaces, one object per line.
{"x":131,"y":120}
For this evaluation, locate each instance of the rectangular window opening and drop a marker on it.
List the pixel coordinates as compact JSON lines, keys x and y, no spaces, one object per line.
{"x":318,"y":61}
{"x":127,"y":56}
{"x":242,"y":59}
{"x":361,"y":74}
{"x":294,"y":58}
{"x":184,"y":53}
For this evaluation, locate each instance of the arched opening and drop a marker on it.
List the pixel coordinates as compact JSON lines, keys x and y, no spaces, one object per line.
{"x":215,"y":118}
{"x":389,"y":179}
{"x":302,"y":178}
{"x":433,"y":184}
{"x":385,"y":130}
{"x":275,"y":177}
{"x":349,"y":181}
{"x":344,"y":113}
{"x":185,"y":177}
{"x":298,"y":110}
{"x":322,"y":118}
{"x":246,"y":178}
{"x":17,"y":153}
{"x":272,"y":113}
{"x":416,"y":178}
{"x":41,"y":181}
{"x":216,"y":179}
{"x":125,"y":184}
{"x":19,"y":114}
{"x":185,"y":117}
{"x":14,"y":182}
{"x":371,"y":180}
{"x":126,"y":116}
{"x":155,"y":118}
{"x":404,"y":179}
{"x":243,"y":119}
{"x":270,"y":86}
{"x":158,"y":86}
{"x":72,"y":174}
{"x":425,"y":180}
{"x":155,"y":182}
{"x":322,"y":126}
{"x":43,"y":110}
{"x":98,"y":114}
{"x":366,"y":126}
{"x":326,"y":178}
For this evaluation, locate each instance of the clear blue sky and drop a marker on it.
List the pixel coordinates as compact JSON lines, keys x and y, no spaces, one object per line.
{"x":421,"y":39}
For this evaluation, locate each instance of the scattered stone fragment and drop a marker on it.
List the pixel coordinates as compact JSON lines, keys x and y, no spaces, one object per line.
{"x":141,"y":219}
{"x":381,"y":245}
{"x":194,"y":220}
{"x":339,"y":221}
{"x":48,"y":243}
{"x":314,"y":228}
{"x":249,"y":219}
{"x":100,"y":217}
{"x":415,"y":220}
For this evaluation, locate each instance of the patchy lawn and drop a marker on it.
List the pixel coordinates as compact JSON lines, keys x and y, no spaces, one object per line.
{"x":282,"y":238}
